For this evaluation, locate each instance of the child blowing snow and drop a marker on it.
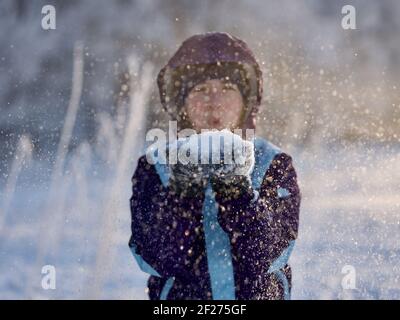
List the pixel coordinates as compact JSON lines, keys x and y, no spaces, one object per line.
{"x":215,"y":230}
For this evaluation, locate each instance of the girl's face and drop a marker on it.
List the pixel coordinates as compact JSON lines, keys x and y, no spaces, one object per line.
{"x":214,"y":104}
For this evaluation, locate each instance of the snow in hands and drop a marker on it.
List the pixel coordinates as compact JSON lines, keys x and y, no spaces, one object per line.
{"x":222,"y":151}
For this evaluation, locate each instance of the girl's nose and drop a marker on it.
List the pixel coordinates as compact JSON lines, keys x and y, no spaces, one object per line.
{"x":213,"y":101}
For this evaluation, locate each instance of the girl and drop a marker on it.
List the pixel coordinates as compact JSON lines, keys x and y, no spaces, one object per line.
{"x":228,"y":236}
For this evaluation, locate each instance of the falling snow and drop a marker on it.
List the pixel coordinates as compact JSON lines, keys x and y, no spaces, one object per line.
{"x":67,"y":152}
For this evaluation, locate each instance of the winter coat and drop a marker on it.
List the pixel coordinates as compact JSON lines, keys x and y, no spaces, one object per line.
{"x":201,"y":248}
{"x":192,"y":251}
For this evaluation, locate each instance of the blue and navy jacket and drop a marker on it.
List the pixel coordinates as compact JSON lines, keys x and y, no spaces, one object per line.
{"x":192,"y":251}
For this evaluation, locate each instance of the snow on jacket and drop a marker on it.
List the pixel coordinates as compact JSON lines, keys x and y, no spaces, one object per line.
{"x":192,"y":250}
{"x":192,"y":253}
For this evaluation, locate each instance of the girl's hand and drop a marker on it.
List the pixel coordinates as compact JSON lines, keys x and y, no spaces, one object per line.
{"x":231,"y":187}
{"x":187,"y":180}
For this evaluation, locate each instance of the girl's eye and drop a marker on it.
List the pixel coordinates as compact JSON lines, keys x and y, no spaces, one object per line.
{"x":200,"y":89}
{"x":229,"y":87}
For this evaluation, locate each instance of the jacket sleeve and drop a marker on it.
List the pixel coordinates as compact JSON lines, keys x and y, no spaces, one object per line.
{"x":164,"y":228}
{"x":268,"y":223}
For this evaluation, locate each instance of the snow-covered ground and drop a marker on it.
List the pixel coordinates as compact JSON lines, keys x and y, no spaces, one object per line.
{"x":349,"y":216}
{"x":321,"y":82}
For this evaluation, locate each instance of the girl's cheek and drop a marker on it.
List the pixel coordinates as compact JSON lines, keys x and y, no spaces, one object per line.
{"x":233,"y":117}
{"x":198,"y":118}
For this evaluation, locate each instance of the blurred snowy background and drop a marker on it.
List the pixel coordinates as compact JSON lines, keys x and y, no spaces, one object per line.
{"x":75,"y":103}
